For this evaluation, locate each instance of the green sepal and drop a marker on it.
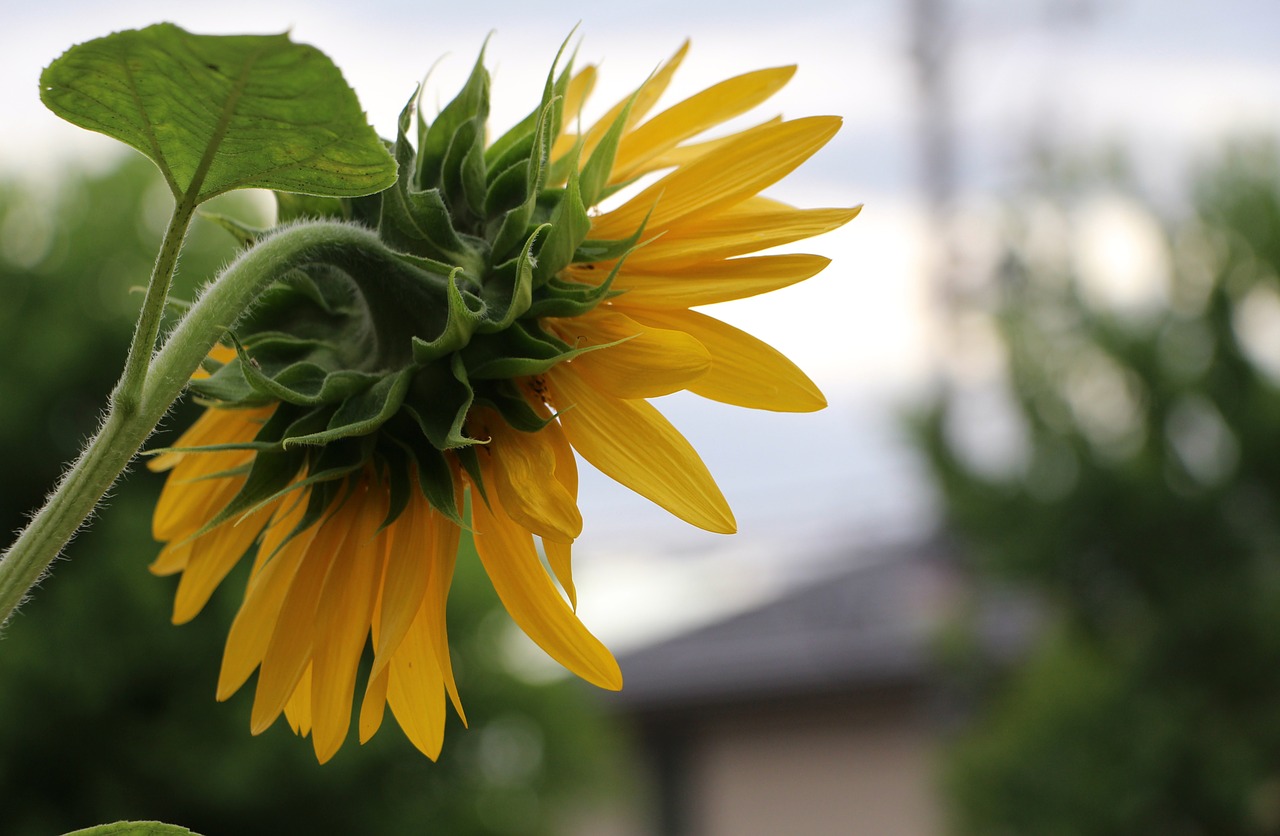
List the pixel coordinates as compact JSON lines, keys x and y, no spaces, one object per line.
{"x":469,"y":459}
{"x":570,"y":226}
{"x":512,"y":230}
{"x":362,"y":413}
{"x":463,"y":176}
{"x":516,"y":274}
{"x":333,"y":462}
{"x":471,"y":103}
{"x":293,"y":207}
{"x":399,"y":488}
{"x":561,"y":298}
{"x":595,"y":174}
{"x":304,"y":382}
{"x":439,"y":398}
{"x":518,"y":141}
{"x":522,"y":350}
{"x":417,"y":220}
{"x":245,"y":235}
{"x":460,"y":322}
{"x":270,"y":472}
{"x":228,"y":386}
{"x":435,"y":477}
{"x":505,"y":397}
{"x":507,"y":190}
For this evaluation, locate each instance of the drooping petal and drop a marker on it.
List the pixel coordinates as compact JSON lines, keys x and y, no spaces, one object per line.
{"x":694,"y":115}
{"x":409,"y":562}
{"x":214,"y":426}
{"x":256,"y":620}
{"x":754,"y":160}
{"x":744,"y":370}
{"x":560,"y":555}
{"x":630,"y":441}
{"x":298,"y":709}
{"x":511,"y":561}
{"x":415,"y":688}
{"x":523,"y":469}
{"x":289,"y":650}
{"x":213,"y":555}
{"x":374,"y":704}
{"x":343,"y":618}
{"x":192,"y":494}
{"x":650,"y":363}
{"x":444,"y":555}
{"x":706,"y":282}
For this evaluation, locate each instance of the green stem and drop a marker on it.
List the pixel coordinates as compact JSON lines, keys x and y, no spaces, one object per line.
{"x":128,"y":391}
{"x":124,"y":430}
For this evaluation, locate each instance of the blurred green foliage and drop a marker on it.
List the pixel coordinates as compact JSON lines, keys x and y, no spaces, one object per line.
{"x":1144,"y":514}
{"x":106,"y":709}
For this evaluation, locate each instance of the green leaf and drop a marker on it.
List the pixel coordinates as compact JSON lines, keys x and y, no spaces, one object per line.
{"x":216,"y":113}
{"x":134,"y":828}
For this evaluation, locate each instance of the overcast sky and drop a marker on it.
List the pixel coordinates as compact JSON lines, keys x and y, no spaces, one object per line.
{"x":1168,"y":78}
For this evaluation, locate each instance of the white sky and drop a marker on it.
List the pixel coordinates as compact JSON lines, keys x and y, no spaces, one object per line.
{"x":1169,"y":78}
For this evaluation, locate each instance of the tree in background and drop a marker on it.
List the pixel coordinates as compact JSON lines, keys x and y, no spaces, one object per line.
{"x":1145,"y":515}
{"x":105,"y":707}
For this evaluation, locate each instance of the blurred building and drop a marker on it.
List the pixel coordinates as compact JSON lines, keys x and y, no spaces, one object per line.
{"x":820,"y":713}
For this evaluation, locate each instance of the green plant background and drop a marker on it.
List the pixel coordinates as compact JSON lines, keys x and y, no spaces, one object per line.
{"x":1150,"y":540}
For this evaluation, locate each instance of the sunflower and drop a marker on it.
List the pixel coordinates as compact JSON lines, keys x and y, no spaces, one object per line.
{"x":375,"y":405}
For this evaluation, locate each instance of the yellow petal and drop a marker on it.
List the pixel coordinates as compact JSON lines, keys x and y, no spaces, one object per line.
{"x":214,"y":426}
{"x":631,"y":442}
{"x":723,"y":235}
{"x":522,"y":465}
{"x":256,"y":620}
{"x":729,"y":174}
{"x":643,"y":101}
{"x":559,"y":555}
{"x":690,"y":151}
{"x":342,"y":621}
{"x":374,"y":704}
{"x":415,"y":690}
{"x":192,"y":495}
{"x":409,"y":563}
{"x":511,"y":561}
{"x":707,"y":282}
{"x":289,"y":650}
{"x":744,"y":370}
{"x":173,"y":558}
{"x":444,"y":556}
{"x":298,"y":709}
{"x":575,"y":96}
{"x":652,"y":362}
{"x":560,"y":558}
{"x":213,"y":555}
{"x":694,"y":115}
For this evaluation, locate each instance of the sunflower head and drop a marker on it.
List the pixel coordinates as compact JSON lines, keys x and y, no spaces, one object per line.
{"x":504,"y":321}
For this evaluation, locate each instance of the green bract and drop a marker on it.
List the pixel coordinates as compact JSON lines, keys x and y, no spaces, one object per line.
{"x":377,"y":355}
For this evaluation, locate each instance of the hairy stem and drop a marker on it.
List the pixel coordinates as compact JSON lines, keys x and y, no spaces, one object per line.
{"x":125,"y":429}
{"x":128,"y":391}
